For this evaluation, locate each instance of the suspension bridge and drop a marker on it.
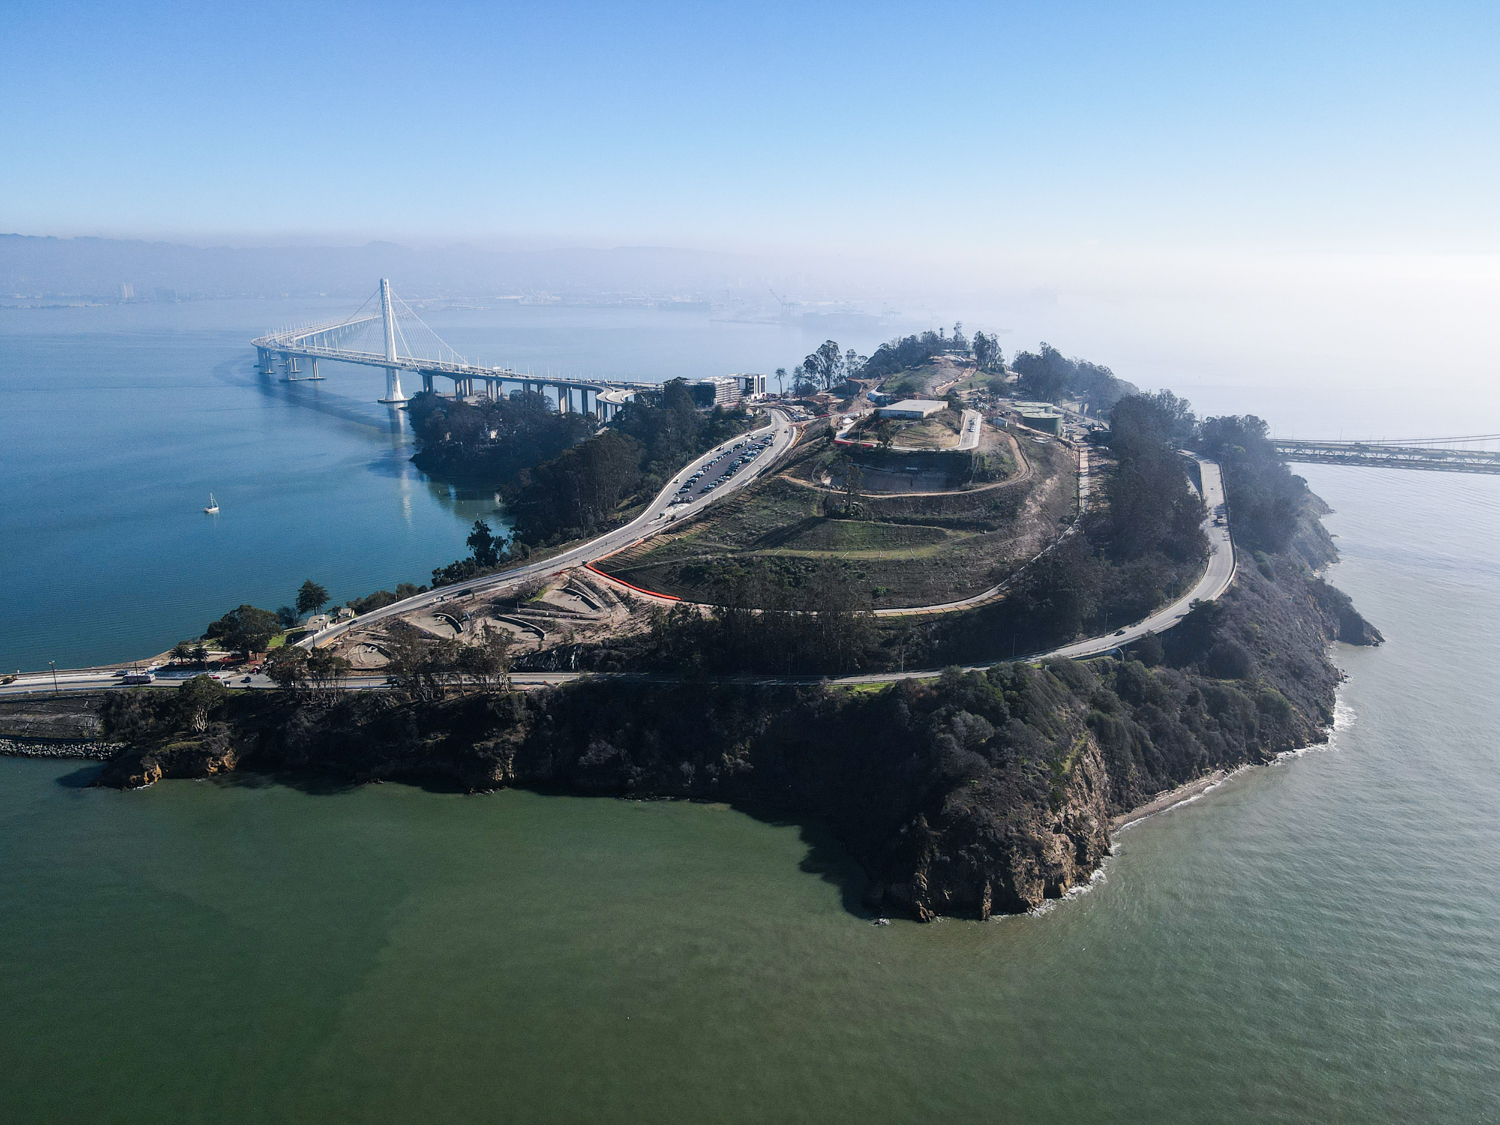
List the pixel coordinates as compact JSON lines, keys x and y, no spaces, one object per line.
{"x":1447,"y":455}
{"x":392,"y":337}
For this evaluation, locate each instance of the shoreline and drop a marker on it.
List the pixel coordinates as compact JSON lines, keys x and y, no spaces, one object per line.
{"x":1171,"y":798}
{"x":78,"y":749}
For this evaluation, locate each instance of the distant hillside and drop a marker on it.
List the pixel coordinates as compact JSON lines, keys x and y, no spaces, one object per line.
{"x":97,"y":267}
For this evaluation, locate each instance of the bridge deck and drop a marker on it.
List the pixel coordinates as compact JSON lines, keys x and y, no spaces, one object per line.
{"x":1372,"y":454}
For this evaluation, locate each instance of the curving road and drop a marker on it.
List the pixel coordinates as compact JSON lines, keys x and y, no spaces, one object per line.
{"x":660,"y":514}
{"x":1216,"y":579}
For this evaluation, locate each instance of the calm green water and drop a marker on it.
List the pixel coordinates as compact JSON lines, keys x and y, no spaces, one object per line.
{"x":1313,"y":942}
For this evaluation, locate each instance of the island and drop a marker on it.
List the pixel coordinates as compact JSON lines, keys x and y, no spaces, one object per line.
{"x":970,"y":636}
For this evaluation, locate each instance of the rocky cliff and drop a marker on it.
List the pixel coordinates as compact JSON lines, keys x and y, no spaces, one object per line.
{"x":966,"y":794}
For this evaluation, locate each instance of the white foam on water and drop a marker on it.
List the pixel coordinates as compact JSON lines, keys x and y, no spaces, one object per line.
{"x":1343,"y":718}
{"x":1187,"y":800}
{"x":1099,"y":875}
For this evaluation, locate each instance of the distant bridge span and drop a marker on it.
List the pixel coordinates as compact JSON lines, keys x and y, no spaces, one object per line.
{"x":599,"y":397}
{"x":1447,"y":455}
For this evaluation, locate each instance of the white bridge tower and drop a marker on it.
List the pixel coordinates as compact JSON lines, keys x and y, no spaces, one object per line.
{"x":392,"y":374}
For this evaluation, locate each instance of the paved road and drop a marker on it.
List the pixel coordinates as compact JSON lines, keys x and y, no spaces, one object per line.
{"x":1215,"y":581}
{"x":1216,"y":578}
{"x":660,"y":514}
{"x":968,"y":430}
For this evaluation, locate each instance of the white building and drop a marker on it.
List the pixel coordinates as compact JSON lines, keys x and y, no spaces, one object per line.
{"x":751,"y":385}
{"x":725,"y":388}
{"x":912,"y":408}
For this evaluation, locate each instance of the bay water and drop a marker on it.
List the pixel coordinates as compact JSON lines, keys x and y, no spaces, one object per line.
{"x":1314,"y":941}
{"x":119,"y":421}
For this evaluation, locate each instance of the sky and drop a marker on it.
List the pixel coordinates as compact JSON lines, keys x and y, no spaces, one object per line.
{"x":916,"y":129}
{"x":1195,"y":191}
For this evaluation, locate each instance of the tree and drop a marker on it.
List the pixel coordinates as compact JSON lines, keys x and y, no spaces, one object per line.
{"x":311,"y":597}
{"x":853,"y":495}
{"x":486,"y":545}
{"x":195,"y":699}
{"x":826,"y":365}
{"x":324,"y":667}
{"x":182,"y":651}
{"x":959,"y":342}
{"x":987,"y":354}
{"x":287,"y":616}
{"x":200,"y":654}
{"x":488,"y":662}
{"x":245,"y":629}
{"x":287,"y":667}
{"x":781,"y":380}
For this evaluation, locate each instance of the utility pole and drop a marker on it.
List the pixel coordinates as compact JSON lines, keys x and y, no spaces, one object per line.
{"x":55,"y":689}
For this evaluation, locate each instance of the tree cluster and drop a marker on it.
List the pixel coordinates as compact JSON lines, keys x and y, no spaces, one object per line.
{"x":300,"y":670}
{"x":147,"y":715}
{"x":1265,"y":498}
{"x":826,"y":368}
{"x":581,"y":491}
{"x":1049,"y":376}
{"x":761,"y":625}
{"x":487,"y":553}
{"x":420,"y":667}
{"x":245,"y":629}
{"x":987,"y":354}
{"x":906,"y":352}
{"x":494,"y":439}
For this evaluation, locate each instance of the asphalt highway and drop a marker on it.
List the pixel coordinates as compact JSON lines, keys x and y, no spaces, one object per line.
{"x":660,"y":514}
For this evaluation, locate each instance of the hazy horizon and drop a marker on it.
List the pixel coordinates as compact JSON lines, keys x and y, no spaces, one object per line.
{"x":1280,"y":194}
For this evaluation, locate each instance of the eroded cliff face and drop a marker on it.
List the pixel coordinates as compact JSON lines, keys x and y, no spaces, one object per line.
{"x":964,"y":866}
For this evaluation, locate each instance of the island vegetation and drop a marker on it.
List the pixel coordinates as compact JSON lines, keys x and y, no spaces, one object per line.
{"x":968,"y":792}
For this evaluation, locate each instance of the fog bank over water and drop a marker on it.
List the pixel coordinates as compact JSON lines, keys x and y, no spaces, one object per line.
{"x":1376,"y":344}
{"x":1363,"y":344}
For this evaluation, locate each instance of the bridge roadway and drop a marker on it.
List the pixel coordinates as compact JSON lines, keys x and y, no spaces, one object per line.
{"x":1374,"y":454}
{"x":1216,"y":579}
{"x":319,"y":341}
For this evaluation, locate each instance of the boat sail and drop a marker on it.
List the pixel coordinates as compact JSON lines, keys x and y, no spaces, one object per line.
{"x":213,"y":506}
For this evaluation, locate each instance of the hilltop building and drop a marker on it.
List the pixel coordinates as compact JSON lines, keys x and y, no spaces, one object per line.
{"x":913,"y":408}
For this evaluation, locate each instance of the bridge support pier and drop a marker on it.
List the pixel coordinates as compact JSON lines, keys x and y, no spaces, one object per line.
{"x":393,"y":392}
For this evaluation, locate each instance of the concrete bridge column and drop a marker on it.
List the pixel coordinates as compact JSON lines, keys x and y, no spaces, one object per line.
{"x":563,"y":394}
{"x":427,"y":381}
{"x":393,"y":392}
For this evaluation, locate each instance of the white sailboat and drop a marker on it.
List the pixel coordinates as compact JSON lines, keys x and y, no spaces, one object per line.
{"x":213,"y":505}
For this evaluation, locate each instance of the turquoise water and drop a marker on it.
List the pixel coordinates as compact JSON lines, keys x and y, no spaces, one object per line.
{"x":1311,"y":942}
{"x":118,"y":422}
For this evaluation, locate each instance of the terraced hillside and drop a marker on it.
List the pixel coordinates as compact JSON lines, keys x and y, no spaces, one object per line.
{"x":900,"y":550}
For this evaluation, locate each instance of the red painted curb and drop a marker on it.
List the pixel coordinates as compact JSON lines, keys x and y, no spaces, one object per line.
{"x":631,"y":585}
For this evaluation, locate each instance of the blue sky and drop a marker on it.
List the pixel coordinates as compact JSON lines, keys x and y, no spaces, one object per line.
{"x":877,"y":128}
